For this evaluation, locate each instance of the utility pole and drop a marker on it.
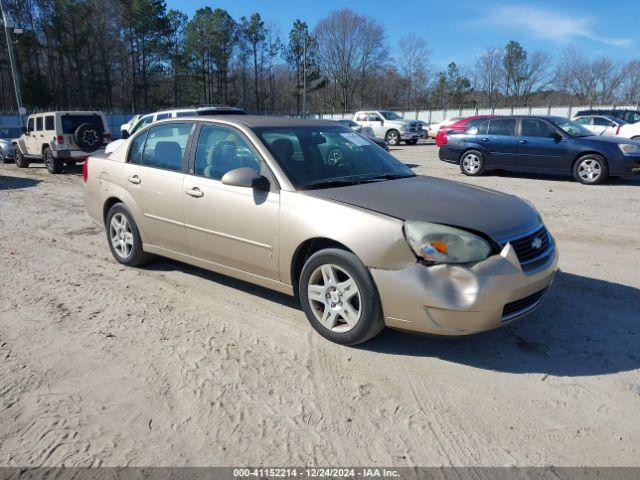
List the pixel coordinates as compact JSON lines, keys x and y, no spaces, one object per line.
{"x":304,"y":75}
{"x":12,"y":61}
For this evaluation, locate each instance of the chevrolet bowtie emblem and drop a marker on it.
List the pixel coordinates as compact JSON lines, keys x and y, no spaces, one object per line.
{"x":536,"y":243}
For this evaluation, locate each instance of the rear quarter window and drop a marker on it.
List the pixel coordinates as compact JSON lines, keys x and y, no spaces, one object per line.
{"x":39,"y":124}
{"x":49,"y":123}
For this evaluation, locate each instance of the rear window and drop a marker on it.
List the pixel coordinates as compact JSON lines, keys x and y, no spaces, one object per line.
{"x":71,"y":122}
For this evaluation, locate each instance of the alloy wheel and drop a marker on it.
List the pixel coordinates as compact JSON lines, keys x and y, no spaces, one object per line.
{"x":334,"y":298}
{"x":590,"y":170}
{"x":393,"y":138}
{"x":471,"y":163}
{"x":121,"y":235}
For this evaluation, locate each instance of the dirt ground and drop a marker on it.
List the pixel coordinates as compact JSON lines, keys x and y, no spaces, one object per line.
{"x":172,"y":365}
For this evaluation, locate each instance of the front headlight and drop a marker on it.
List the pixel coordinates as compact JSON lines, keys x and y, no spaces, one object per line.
{"x":629,"y":148}
{"x":442,"y":244}
{"x":406,"y":128}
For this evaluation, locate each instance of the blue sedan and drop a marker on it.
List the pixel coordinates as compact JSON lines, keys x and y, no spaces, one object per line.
{"x":541,"y":145}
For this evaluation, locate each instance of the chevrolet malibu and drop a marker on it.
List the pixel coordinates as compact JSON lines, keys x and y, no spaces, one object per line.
{"x":361,"y":240}
{"x":541,"y":145}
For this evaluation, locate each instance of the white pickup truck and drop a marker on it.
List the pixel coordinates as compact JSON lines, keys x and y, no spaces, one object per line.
{"x":390,"y":126}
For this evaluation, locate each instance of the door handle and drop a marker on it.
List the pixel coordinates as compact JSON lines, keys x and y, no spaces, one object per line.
{"x":194,"y":192}
{"x":134,"y":179}
{"x":524,"y":142}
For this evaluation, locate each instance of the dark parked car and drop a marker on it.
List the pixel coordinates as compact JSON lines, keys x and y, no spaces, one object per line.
{"x":541,"y":144}
{"x":629,"y":116}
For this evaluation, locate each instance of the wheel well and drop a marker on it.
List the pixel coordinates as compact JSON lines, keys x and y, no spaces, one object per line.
{"x":44,"y":147}
{"x":305,"y":250}
{"x":107,"y":206}
{"x":469,"y":150}
{"x":582,"y":154}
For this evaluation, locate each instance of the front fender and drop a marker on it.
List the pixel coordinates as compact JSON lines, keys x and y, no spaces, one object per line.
{"x":377,"y":239}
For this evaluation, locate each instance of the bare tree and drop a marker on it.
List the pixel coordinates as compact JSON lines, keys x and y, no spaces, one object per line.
{"x":631,"y":82}
{"x":489,"y":73}
{"x":414,"y":66}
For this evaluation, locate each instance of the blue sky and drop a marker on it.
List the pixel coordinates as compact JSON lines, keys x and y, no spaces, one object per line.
{"x":457,"y":30}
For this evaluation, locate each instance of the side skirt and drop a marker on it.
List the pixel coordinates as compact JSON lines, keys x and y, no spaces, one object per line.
{"x":223,"y":269}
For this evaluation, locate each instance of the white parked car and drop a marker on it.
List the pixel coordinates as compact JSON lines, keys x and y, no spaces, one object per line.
{"x":607,"y":125}
{"x":434,"y":127}
{"x":144,"y":120}
{"x":126,"y":127}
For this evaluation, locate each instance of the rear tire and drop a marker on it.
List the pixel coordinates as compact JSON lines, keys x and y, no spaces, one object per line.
{"x":472,"y":163}
{"x":20,"y":160}
{"x":70,"y":163}
{"x":637,"y":137}
{"x":344,"y":305}
{"x":54,"y":165}
{"x":591,"y":169}
{"x":124,"y":238}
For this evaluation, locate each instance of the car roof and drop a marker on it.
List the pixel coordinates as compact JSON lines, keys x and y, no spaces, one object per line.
{"x":259,"y":121}
{"x":69,"y":112}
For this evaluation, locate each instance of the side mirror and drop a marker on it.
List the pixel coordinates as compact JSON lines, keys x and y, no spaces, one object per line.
{"x":246,"y":177}
{"x":556,"y":136}
{"x":124,"y":135}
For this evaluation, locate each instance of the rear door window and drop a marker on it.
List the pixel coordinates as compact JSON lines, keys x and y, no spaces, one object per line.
{"x":502,"y":126}
{"x":70,"y":123}
{"x":602,"y":122}
{"x":165,"y":146}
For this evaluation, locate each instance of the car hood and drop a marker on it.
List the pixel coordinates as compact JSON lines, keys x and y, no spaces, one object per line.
{"x":430,"y":199}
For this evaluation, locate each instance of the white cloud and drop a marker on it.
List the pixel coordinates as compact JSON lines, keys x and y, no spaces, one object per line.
{"x":550,"y":24}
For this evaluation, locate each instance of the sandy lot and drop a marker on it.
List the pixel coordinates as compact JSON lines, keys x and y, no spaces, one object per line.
{"x":172,"y":365}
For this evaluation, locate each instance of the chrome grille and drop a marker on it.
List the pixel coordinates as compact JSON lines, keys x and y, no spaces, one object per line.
{"x":532,"y":249}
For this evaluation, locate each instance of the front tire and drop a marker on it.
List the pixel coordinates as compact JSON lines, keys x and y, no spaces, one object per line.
{"x":124,"y":238}
{"x":591,"y":169}
{"x":20,"y":160}
{"x":472,"y":163}
{"x":54,"y":165}
{"x":392,"y":138}
{"x":339,"y":297}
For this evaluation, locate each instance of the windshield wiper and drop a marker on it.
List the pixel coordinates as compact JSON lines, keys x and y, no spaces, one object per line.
{"x":331,"y":183}
{"x":389,"y":176}
{"x":341,"y":182}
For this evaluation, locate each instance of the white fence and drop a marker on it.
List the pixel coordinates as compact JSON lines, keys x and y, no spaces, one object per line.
{"x":435,"y":116}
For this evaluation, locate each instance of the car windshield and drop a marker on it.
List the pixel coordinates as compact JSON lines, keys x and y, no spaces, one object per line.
{"x":572,"y":129}
{"x":10,"y":132}
{"x":329,"y":156}
{"x":391,"y":115}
